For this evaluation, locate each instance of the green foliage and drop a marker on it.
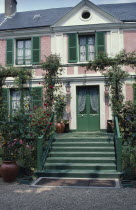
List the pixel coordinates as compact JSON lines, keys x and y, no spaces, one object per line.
{"x":60,"y":105}
{"x":115,"y":77}
{"x":40,"y":119}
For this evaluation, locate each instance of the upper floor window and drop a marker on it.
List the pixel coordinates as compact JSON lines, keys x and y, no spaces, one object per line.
{"x":86,"y":48}
{"x":27,"y":51}
{"x":83,"y":48}
{"x":24,"y":56}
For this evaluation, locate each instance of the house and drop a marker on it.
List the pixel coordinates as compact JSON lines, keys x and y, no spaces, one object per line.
{"x":77,"y":34}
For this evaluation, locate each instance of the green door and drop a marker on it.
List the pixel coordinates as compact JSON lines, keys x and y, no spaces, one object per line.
{"x":88,"y":108}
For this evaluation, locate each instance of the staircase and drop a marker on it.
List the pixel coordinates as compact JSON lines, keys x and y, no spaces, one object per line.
{"x":81,"y":155}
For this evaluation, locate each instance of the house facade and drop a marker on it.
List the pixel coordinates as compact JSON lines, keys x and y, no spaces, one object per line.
{"x":77,"y":35}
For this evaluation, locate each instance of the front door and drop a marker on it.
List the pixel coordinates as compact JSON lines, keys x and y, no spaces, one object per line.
{"x":88,"y":108}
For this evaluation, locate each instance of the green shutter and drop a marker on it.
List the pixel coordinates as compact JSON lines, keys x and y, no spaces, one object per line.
{"x":10,"y":52}
{"x":72,"y":48}
{"x":100,"y":43}
{"x":134,"y":90}
{"x":5,"y":101}
{"x":36,"y":50}
{"x":37,"y":97}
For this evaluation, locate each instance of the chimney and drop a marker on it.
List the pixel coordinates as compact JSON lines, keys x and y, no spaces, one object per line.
{"x":10,"y":7}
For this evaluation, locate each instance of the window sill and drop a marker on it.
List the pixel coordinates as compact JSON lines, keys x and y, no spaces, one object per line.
{"x":23,"y":65}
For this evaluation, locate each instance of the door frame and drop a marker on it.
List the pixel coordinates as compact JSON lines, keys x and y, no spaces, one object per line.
{"x":79,"y":86}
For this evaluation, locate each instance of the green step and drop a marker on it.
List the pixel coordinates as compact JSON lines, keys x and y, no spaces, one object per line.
{"x":82,"y":149}
{"x":80,"y":160}
{"x":79,"y":173}
{"x":82,"y":154}
{"x":85,"y":139}
{"x":83,"y":144}
{"x":79,"y":166}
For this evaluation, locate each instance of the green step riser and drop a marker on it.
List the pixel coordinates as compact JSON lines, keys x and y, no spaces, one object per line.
{"x":81,"y":155}
{"x":71,"y":175}
{"x":83,"y":145}
{"x":81,"y":150}
{"x":82,"y":140}
{"x":80,"y":167}
{"x":80,"y":161}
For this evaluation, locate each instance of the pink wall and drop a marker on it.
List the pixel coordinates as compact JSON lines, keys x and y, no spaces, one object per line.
{"x":45,"y":47}
{"x":129,"y":92}
{"x":3,"y":52}
{"x":70,"y":70}
{"x":130,"y":44}
{"x":82,"y":70}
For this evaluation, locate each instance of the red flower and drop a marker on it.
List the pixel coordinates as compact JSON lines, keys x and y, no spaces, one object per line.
{"x":51,"y":123}
{"x":35,"y":107}
{"x":45,"y":104}
{"x":48,"y":115}
{"x":51,"y":86}
{"x":39,"y":122}
{"x":30,"y":115}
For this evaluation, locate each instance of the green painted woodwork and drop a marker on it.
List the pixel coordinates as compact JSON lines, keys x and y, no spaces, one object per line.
{"x":72,"y":48}
{"x":88,"y":120}
{"x":39,"y":153}
{"x":35,"y":50}
{"x":5,"y":96}
{"x":118,"y":145}
{"x":10,"y":52}
{"x":134,"y":93}
{"x":86,"y":46}
{"x":23,"y":61}
{"x":37,"y":96}
{"x":100,"y":43}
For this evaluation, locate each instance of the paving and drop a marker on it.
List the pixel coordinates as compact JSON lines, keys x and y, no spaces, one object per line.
{"x":24,"y":197}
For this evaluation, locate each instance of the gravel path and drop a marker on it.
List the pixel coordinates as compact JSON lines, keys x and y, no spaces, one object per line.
{"x":23,"y":197}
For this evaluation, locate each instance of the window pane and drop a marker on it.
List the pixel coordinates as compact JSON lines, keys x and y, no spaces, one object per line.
{"x":82,"y":41}
{"x":91,"y":48}
{"x":28,"y":44}
{"x":20,"y":44}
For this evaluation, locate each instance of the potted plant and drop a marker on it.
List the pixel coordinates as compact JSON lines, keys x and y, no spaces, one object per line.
{"x":60,"y":104}
{"x":9,"y":168}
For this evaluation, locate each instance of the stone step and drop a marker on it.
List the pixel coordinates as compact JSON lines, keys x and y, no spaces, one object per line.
{"x":81,"y":160}
{"x":80,"y":173}
{"x":82,"y":149}
{"x":82,"y":154}
{"x":94,"y":139}
{"x":83,"y":144}
{"x":79,"y":166}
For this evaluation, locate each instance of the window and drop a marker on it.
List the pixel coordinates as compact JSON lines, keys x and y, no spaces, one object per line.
{"x":86,"y":48}
{"x":24,"y":56}
{"x":86,"y":15}
{"x":27,"y":51}
{"x":16,"y":97}
{"x":83,"y":48}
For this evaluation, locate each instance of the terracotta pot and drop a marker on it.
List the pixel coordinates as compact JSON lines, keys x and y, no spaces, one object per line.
{"x":62,"y":127}
{"x":58,"y":128}
{"x":9,"y":171}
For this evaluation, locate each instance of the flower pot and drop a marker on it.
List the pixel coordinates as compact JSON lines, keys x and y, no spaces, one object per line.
{"x":60,"y":127}
{"x":9,"y":171}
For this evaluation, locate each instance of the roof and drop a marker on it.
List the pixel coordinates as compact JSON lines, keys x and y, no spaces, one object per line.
{"x":42,"y":18}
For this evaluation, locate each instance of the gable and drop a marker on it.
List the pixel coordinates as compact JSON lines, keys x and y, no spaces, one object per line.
{"x":97,"y":15}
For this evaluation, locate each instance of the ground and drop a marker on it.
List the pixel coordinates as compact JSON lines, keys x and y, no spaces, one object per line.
{"x":24,"y":197}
